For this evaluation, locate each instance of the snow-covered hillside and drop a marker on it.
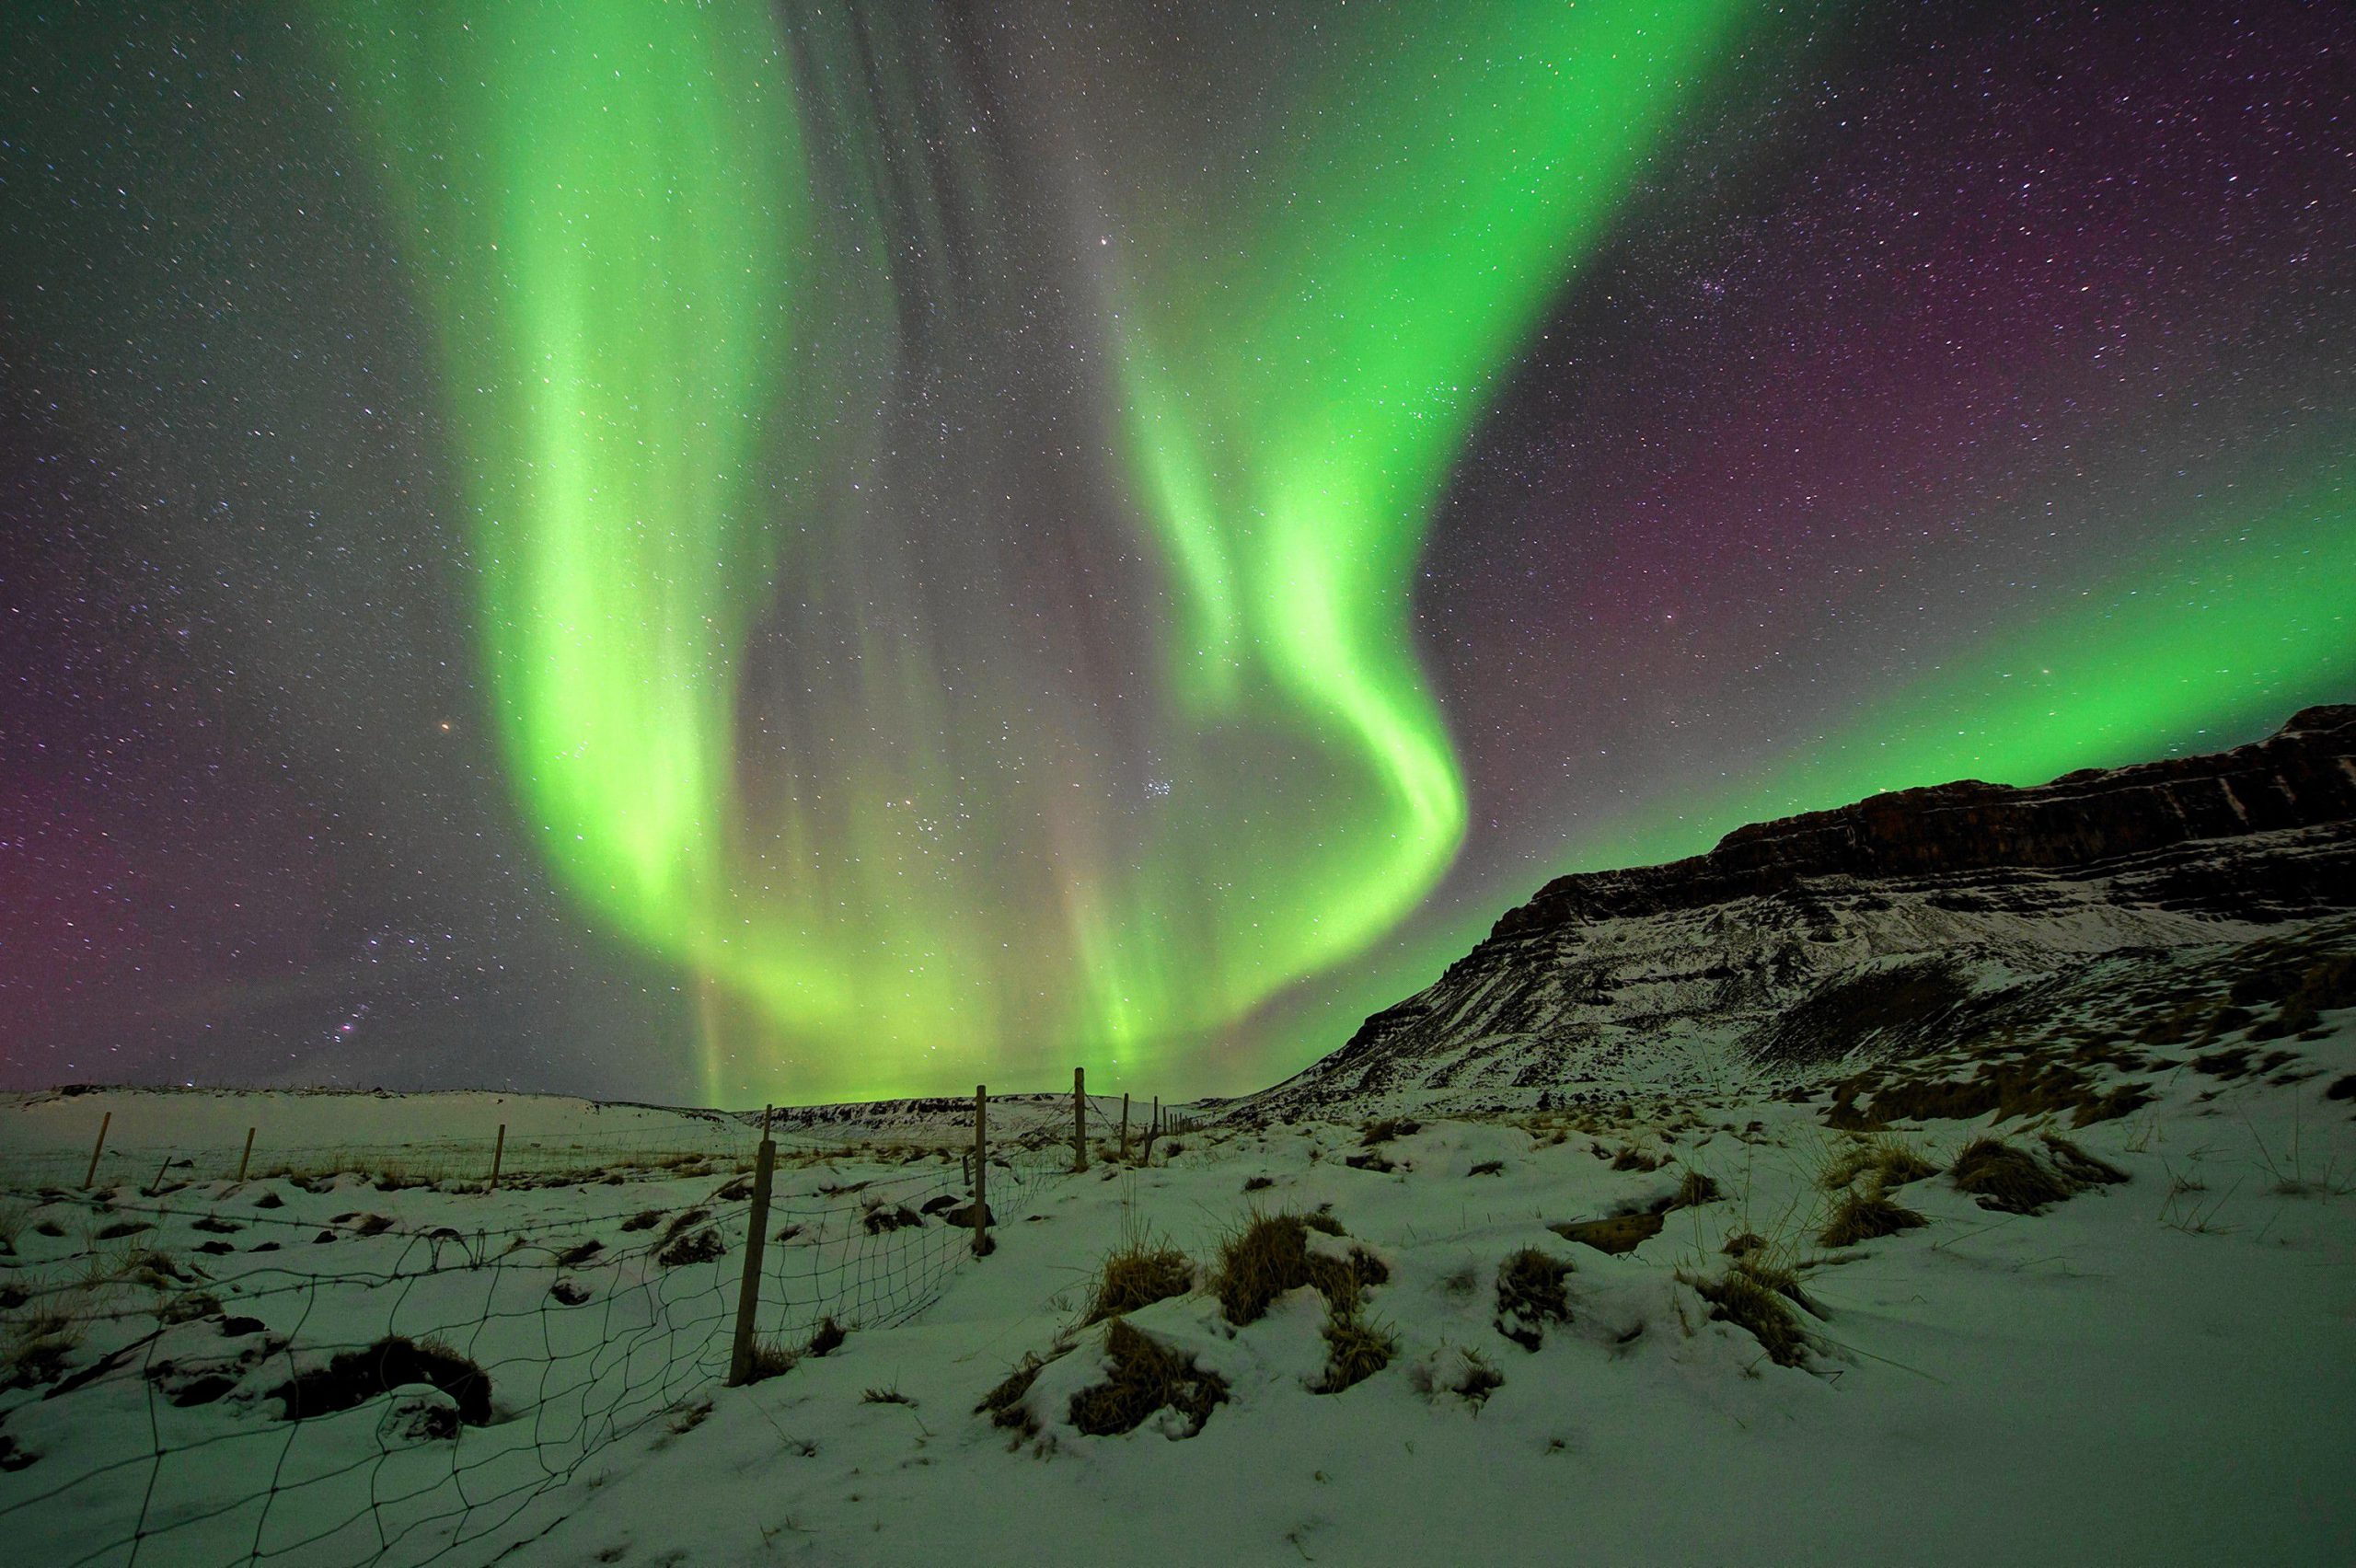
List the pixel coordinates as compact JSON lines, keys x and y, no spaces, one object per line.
{"x":1909,"y":922}
{"x":2155,"y":1363}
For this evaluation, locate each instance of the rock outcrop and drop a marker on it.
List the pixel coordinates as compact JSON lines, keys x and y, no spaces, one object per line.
{"x":1873,"y":928}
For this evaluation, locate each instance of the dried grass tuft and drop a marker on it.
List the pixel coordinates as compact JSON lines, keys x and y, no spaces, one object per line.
{"x":1270,"y":1255}
{"x":1891,"y":1161}
{"x":1006,"y":1404}
{"x":1136,"y":1273}
{"x":38,"y":1347}
{"x":2006,"y":1177}
{"x":696,"y":1247}
{"x":1145,"y":1376}
{"x":1478,"y":1380}
{"x":1757,"y":1296}
{"x":1862,"y":1216}
{"x":1355,"y":1351}
{"x":1532,"y":1294}
{"x":2075,"y":1162}
{"x":770,"y":1359}
{"x":1386,"y":1128}
{"x":1693,"y":1190}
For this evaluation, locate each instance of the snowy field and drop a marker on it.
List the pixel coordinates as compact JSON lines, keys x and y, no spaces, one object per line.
{"x":2155,"y":1363}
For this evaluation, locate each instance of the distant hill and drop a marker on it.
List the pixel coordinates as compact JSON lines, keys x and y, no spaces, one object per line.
{"x":1943,"y":929}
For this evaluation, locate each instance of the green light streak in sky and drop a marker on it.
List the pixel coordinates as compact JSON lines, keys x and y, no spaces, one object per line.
{"x":2247,"y":617}
{"x":611,"y":208}
{"x":603,"y":202}
{"x":1300,"y":368}
{"x":2250,"y":614}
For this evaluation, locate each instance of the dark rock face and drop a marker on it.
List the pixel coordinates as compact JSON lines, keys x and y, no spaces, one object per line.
{"x":1874,"y":928}
{"x":2303,"y":776}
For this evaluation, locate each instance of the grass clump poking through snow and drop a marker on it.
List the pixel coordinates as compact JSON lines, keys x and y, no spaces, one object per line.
{"x":1892,"y":1162}
{"x":37,"y":1349}
{"x":1136,"y":1273}
{"x":1757,"y":1296}
{"x":695,"y":1247}
{"x":1007,"y":1404}
{"x":2079,"y":1166}
{"x":1693,"y":1190}
{"x":1145,"y":1376}
{"x":1355,"y":1351}
{"x":1471,"y":1378}
{"x":1478,"y":1380}
{"x":1270,"y":1255}
{"x":1862,"y":1216}
{"x":2004,"y":1177}
{"x":1530,"y":1295}
{"x":770,"y":1359}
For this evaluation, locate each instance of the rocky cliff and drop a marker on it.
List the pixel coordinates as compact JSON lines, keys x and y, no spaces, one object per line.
{"x":1896,"y":925}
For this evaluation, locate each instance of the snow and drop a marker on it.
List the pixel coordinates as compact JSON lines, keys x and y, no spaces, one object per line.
{"x":2162,"y":1370}
{"x":1676,"y":1000}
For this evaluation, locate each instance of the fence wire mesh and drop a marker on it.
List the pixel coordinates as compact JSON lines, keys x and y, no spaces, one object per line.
{"x":176,"y":1396}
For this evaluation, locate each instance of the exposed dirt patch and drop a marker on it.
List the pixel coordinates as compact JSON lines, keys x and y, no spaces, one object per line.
{"x":358,"y":1376}
{"x":1620,"y":1233}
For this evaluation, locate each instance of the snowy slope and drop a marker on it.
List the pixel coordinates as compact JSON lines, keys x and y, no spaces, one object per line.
{"x":1871,"y":932}
{"x":2154,"y":1370}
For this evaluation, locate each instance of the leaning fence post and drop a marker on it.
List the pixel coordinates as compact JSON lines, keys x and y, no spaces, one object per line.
{"x":749,"y":1290}
{"x":1125,"y":1126}
{"x":498,"y":1150}
{"x":92,"y":1174}
{"x":1078,"y":1120}
{"x":158,"y":1190}
{"x":246,"y":1157}
{"x":981,"y":1170}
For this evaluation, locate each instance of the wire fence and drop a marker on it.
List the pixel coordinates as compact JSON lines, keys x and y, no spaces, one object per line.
{"x":210,"y":1382}
{"x":526,"y":1159}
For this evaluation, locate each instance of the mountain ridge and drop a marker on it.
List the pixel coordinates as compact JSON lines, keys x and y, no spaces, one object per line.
{"x":1892,"y":922}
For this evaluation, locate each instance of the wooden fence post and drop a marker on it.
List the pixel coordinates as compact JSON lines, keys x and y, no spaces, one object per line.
{"x":1078,"y":1120}
{"x":1150,"y":1128}
{"x":981,"y":1170}
{"x":247,"y":1157}
{"x":498,"y":1152}
{"x":748,"y":1289}
{"x":1125,"y":1126}
{"x":158,"y":1190}
{"x":92,"y":1174}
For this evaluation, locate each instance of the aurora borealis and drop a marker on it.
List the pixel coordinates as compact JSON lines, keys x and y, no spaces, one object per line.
{"x":799,"y":551}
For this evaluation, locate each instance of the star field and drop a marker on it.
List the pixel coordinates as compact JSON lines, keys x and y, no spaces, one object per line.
{"x":845,"y":550}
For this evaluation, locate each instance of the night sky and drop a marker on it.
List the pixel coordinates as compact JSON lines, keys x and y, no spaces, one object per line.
{"x":742,"y":552}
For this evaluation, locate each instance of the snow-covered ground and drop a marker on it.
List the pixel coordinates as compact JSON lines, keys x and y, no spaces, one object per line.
{"x":2159,"y":1369}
